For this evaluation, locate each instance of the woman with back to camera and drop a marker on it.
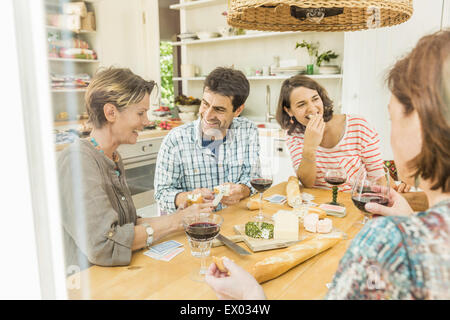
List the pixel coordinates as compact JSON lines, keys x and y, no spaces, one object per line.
{"x":409,"y":251}
{"x":98,"y":215}
{"x":319,"y":140}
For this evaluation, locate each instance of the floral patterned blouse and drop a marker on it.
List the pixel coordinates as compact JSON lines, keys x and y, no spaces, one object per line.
{"x":398,"y":258}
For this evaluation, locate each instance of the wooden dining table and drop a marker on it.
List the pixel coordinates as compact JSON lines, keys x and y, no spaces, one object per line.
{"x":148,"y":278}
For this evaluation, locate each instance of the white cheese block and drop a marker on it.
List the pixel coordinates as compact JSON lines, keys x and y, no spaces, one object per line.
{"x":310,"y":222}
{"x":286,"y":226}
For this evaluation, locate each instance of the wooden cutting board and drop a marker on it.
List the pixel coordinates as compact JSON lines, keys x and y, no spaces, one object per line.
{"x":262,"y":244}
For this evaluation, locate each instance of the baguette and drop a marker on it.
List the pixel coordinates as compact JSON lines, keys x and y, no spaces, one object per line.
{"x":294,"y":196}
{"x":278,"y":264}
{"x":254,"y":204}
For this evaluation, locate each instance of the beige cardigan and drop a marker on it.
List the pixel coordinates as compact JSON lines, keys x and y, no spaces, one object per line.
{"x":98,"y":214}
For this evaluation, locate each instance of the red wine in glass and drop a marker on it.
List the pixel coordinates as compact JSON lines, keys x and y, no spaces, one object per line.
{"x":335,"y":177}
{"x":261,"y":185}
{"x":335,"y":181}
{"x":361,"y":201}
{"x":202,"y":231}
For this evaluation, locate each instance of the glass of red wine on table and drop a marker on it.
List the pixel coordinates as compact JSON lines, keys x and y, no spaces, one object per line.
{"x":261,"y":179}
{"x":335,"y":177}
{"x":201,"y":229}
{"x":370,"y":189}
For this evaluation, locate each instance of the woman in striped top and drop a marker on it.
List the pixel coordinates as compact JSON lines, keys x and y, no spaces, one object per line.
{"x":318,"y":140}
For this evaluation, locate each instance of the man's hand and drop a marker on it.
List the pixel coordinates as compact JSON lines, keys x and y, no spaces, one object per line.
{"x":237,"y":192}
{"x":181,"y":198}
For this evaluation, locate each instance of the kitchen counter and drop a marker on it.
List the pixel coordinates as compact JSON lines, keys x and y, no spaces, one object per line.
{"x":146,"y":134}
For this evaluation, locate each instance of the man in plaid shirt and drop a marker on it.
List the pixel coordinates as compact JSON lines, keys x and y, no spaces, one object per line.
{"x":215,"y":149}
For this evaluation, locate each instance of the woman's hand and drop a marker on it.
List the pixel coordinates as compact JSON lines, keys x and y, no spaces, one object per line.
{"x":402,"y":187}
{"x":239,"y":284}
{"x":397,"y":206}
{"x":314,"y":132}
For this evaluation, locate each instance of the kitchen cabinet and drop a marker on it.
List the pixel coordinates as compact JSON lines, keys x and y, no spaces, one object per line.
{"x":250,"y":51}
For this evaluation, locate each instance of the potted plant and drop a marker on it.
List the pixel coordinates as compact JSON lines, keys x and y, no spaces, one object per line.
{"x":312,"y":49}
{"x":326,"y":56}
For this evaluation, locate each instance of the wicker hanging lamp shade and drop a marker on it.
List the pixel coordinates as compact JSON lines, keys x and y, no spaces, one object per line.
{"x":317,"y":15}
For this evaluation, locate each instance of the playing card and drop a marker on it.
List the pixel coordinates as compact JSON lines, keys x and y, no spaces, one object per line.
{"x":164,"y":247}
{"x":169,"y":256}
{"x":276,"y":198}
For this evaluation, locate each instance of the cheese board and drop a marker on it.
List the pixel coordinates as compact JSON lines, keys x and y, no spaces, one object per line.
{"x":263,"y":244}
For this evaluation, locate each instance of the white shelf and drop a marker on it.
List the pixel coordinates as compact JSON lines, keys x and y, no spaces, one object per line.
{"x":195,"y":4}
{"x":314,"y":76}
{"x":68,"y":30}
{"x":242,"y":37}
{"x":74,"y":60}
{"x":69,"y":90}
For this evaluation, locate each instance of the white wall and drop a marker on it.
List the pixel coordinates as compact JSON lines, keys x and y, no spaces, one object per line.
{"x":124,"y":40}
{"x":370,"y":54}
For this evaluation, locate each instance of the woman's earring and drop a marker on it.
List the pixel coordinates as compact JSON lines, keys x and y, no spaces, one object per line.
{"x":291,"y":121}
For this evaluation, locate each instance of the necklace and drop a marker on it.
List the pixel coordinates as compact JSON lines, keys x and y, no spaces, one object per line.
{"x":115,"y":156}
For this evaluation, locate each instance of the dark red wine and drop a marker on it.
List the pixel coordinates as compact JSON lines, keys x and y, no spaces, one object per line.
{"x":202,"y":231}
{"x":261,"y":184}
{"x":335,"y":181}
{"x":360,"y":201}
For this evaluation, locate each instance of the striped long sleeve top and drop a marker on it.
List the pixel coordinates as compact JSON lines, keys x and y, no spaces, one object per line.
{"x":359,"y":148}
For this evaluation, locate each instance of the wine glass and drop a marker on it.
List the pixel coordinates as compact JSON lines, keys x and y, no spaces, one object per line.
{"x":261,"y":179}
{"x":370,"y":189}
{"x":201,"y":229}
{"x":335,"y":177}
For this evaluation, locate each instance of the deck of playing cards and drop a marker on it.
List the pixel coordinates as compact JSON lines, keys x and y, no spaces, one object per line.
{"x":165,"y":251}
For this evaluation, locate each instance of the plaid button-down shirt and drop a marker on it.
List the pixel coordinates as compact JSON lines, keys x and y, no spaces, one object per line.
{"x":184,"y":165}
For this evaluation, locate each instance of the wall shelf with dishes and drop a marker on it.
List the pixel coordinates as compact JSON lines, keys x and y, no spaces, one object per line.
{"x":216,"y":37}
{"x":72,"y":56}
{"x":278,"y":77}
{"x":195,"y":4}
{"x":206,"y":41}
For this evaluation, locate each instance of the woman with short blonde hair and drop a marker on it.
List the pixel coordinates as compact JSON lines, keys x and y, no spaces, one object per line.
{"x":99,"y":218}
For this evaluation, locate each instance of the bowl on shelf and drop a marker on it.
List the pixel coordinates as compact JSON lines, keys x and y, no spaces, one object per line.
{"x":187,"y":116}
{"x":203,"y":35}
{"x":329,"y":69}
{"x":187,"y":36}
{"x":189,"y":108}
